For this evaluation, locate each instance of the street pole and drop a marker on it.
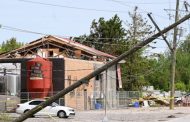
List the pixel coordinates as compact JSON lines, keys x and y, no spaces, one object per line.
{"x":105,"y":119}
{"x":173,"y":59}
{"x":87,"y":78}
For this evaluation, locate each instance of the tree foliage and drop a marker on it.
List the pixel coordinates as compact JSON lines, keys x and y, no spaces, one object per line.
{"x":182,"y":63}
{"x":138,"y":27}
{"x":9,"y":45}
{"x":136,"y":64}
{"x":180,"y":86}
{"x":160,"y":79}
{"x":106,"y":35}
{"x":111,"y":37}
{"x":159,"y":73}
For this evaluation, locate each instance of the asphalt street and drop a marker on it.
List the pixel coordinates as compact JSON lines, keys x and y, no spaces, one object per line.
{"x":155,"y":114}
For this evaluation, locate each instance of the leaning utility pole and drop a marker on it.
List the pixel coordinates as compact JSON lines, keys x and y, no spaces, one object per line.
{"x":164,"y":37}
{"x":97,"y":71}
{"x":173,"y":59}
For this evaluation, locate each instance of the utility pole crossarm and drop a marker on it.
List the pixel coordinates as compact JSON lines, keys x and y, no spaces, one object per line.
{"x":149,"y":15}
{"x":186,"y":4}
{"x":97,"y":71}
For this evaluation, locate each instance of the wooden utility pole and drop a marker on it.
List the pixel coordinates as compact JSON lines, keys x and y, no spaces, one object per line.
{"x":164,"y":37}
{"x":173,"y":59}
{"x":87,"y":78}
{"x":173,"y":54}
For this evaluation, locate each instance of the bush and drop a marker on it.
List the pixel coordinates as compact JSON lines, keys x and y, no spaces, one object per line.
{"x":180,"y":86}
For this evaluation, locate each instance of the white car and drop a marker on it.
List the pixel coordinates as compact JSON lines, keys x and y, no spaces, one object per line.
{"x":53,"y":110}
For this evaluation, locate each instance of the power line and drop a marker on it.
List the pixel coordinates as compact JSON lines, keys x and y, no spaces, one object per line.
{"x":182,"y":10}
{"x":47,"y":70}
{"x":20,"y":30}
{"x":10,"y":28}
{"x":72,"y":7}
{"x":83,"y":38}
{"x":143,"y":11}
{"x":88,"y":9}
{"x":132,"y":2}
{"x":124,"y":4}
{"x":145,"y":73}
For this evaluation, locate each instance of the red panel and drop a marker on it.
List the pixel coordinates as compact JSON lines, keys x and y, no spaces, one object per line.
{"x":39,"y":77}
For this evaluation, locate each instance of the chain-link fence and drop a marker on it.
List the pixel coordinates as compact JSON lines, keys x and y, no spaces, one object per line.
{"x":8,"y":103}
{"x":82,"y":100}
{"x":126,"y":98}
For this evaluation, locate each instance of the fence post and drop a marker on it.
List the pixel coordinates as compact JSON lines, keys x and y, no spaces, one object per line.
{"x":28,"y":96}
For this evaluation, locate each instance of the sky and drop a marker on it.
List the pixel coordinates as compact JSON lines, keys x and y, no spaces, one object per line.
{"x":73,"y":17}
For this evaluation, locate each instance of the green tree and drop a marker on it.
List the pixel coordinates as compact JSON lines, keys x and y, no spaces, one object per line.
{"x":159,"y":73}
{"x":9,"y":45}
{"x":136,"y":64}
{"x":138,"y":27}
{"x":182,"y":63}
{"x":111,"y":37}
{"x":160,"y":79}
{"x":106,"y":35}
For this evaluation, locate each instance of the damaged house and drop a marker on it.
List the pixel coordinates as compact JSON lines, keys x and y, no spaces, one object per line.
{"x":51,"y":63}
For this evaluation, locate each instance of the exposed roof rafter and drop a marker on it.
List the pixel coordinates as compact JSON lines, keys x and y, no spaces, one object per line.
{"x":58,"y":42}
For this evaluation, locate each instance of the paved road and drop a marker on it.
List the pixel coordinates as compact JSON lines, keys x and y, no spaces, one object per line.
{"x":123,"y":115}
{"x":182,"y":119}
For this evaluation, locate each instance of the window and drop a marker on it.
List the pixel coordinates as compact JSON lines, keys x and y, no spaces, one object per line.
{"x":99,"y":83}
{"x":97,"y":77}
{"x":54,"y":104}
{"x":50,"y":53}
{"x":35,"y":102}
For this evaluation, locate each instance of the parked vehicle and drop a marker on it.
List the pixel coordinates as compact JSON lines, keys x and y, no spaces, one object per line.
{"x":178,"y":101}
{"x":53,"y":110}
{"x":184,"y":100}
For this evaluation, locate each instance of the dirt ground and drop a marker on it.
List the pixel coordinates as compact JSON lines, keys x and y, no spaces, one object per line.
{"x":153,"y":114}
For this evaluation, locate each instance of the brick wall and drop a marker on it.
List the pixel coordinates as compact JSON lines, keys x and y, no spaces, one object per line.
{"x":74,"y":70}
